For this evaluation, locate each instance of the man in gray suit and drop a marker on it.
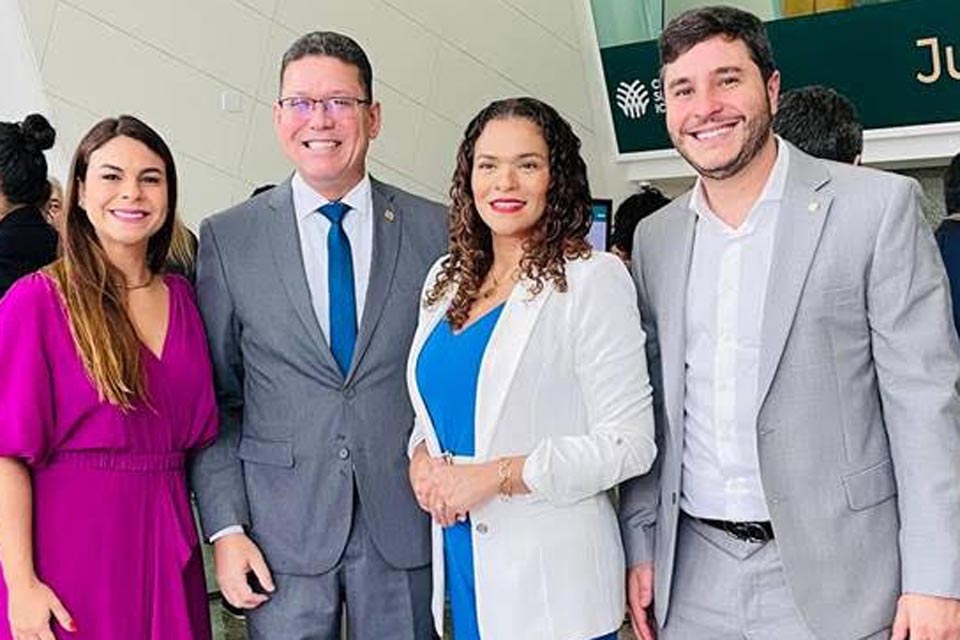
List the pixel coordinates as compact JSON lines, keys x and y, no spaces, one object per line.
{"x":805,"y":372}
{"x":310,"y":294}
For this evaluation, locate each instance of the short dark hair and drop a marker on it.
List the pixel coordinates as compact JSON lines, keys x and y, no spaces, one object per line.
{"x":820,"y":121}
{"x":951,"y":185}
{"x":23,"y":168}
{"x":631,"y":211}
{"x":692,"y":27}
{"x":334,"y":45}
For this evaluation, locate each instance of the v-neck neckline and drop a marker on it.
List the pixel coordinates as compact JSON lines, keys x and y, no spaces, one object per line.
{"x":479,"y":319}
{"x":159,"y":357}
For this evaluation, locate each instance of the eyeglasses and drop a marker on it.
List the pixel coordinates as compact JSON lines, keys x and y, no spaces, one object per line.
{"x":335,"y":107}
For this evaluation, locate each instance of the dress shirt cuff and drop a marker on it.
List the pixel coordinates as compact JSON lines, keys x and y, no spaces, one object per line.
{"x":235,"y":528}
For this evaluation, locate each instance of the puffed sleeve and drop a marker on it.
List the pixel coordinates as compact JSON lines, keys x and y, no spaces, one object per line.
{"x":26,"y":399}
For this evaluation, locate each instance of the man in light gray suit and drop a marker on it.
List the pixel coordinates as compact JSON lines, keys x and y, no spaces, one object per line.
{"x":805,"y":372}
{"x":309,"y":293}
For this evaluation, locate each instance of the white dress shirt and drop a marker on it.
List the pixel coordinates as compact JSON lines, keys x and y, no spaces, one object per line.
{"x":313,"y":227}
{"x":726,"y":291}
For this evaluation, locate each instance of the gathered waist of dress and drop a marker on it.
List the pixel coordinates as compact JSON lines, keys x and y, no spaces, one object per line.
{"x":130,"y":461}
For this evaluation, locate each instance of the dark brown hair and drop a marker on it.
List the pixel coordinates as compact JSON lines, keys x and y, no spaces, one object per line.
{"x":91,"y":286}
{"x":334,"y":45}
{"x":559,"y":235}
{"x":692,"y":27}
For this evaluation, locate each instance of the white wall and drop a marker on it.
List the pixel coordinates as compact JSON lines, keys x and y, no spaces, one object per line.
{"x":436,"y":63}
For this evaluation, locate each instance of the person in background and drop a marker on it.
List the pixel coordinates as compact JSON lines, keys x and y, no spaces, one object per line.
{"x":529,"y":382}
{"x":27,"y":242}
{"x":53,"y":212}
{"x":805,"y":366}
{"x":821,"y":122}
{"x":105,"y":388}
{"x":948,"y":233}
{"x":630,"y":212}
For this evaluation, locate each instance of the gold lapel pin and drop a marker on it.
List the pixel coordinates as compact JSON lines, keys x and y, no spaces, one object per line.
{"x":813,"y":206}
{"x":389,"y":215}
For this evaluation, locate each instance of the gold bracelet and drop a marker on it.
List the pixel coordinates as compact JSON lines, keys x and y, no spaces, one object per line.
{"x":503,"y":478}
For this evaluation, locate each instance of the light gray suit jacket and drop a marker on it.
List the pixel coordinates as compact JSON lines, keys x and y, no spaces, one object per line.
{"x":859,"y":419}
{"x":295,"y":434}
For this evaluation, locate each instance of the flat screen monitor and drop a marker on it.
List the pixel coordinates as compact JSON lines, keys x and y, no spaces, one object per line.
{"x":599,"y":236}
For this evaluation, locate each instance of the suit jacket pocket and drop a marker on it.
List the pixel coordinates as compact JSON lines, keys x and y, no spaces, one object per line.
{"x":871,"y":486}
{"x":279,"y":454}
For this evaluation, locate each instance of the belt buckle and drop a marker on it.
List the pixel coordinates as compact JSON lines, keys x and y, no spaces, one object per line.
{"x":748,"y":531}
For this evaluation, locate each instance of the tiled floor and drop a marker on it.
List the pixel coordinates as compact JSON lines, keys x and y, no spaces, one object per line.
{"x":226,"y":627}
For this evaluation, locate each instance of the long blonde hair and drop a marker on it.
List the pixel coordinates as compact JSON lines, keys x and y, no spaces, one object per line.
{"x":105,"y":337}
{"x":182,"y":258}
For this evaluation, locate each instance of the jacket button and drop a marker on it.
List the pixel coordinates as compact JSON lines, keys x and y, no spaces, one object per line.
{"x":482,"y":528}
{"x":344,"y":453}
{"x":349,"y":392}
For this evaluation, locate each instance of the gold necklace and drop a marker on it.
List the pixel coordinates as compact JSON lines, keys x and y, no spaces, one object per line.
{"x":507,"y":277}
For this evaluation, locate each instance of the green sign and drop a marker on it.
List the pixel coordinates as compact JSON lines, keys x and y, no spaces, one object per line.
{"x":898,"y":62}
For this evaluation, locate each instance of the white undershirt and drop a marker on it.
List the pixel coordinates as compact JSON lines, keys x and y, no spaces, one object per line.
{"x":726,"y":291}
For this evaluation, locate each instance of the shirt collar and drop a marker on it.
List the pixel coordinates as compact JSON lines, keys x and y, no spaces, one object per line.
{"x":306,"y":201}
{"x":772,"y":192}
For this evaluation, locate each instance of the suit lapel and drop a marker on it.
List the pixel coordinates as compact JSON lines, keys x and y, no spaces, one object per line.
{"x":429,"y":319}
{"x":387,"y":225}
{"x":502,"y":357}
{"x":288,"y":256}
{"x":803,"y":212}
{"x":672,"y":321}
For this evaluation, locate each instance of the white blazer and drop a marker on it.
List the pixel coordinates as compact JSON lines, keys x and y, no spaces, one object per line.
{"x":563,"y":381}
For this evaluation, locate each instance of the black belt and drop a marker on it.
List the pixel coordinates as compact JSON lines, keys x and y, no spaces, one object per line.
{"x":747,"y":531}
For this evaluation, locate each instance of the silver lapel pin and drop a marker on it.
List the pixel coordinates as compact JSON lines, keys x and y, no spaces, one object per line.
{"x":813,"y":206}
{"x":389,"y":215}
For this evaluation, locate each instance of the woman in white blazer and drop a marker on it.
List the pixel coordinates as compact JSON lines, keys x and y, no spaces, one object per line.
{"x":529,"y":381}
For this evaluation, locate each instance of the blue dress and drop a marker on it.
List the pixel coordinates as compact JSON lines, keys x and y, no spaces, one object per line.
{"x":447,"y":371}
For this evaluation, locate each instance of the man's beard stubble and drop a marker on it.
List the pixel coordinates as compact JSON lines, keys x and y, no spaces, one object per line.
{"x":758,"y":132}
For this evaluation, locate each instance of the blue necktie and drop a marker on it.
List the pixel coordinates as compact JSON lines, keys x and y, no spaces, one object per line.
{"x":343,"y":302}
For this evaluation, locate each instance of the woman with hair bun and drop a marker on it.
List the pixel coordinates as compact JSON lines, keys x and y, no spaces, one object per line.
{"x":529,"y":382}
{"x":105,"y":389}
{"x":27,"y":242}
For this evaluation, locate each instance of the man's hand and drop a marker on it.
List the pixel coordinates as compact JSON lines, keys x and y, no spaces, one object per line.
{"x":921,"y":617}
{"x":233,"y":556}
{"x":640,"y":599}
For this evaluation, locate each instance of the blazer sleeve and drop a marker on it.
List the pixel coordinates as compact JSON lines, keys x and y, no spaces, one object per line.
{"x":216,"y":472}
{"x":612,"y":371}
{"x":917,"y":362}
{"x":639,"y":496}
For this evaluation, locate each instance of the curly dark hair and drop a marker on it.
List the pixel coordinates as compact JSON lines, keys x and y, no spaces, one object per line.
{"x":559,"y":235}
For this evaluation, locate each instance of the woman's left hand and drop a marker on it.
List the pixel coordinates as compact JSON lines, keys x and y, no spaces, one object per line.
{"x":458,"y":489}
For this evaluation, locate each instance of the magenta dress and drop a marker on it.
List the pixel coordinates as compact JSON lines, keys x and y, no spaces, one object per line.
{"x":114,"y":535}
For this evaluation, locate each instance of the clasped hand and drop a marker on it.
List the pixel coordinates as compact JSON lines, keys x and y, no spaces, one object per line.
{"x":448,"y":492}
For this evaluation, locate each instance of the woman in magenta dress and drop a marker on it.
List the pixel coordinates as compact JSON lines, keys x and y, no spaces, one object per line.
{"x":105,"y":388}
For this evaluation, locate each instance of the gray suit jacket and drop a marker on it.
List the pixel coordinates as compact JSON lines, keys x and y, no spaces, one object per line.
{"x":858,"y":418}
{"x":295,"y":435}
